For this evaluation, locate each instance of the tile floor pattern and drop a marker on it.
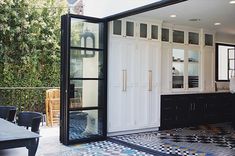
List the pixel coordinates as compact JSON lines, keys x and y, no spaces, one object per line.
{"x":206,"y":140}
{"x":101,"y":148}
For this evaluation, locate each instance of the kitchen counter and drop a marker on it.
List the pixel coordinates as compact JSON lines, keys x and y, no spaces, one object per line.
{"x":195,"y":92}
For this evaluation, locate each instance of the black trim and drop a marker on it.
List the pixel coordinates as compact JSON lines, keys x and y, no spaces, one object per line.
{"x":137,"y":147}
{"x":142,"y":9}
{"x":87,"y":18}
{"x":84,"y":48}
{"x":85,"y":108}
{"x":65,"y":80}
{"x":86,"y":140}
{"x":217,"y":63}
{"x":63,"y":85}
{"x":86,"y":79}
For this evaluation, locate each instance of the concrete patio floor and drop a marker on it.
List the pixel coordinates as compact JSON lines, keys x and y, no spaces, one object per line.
{"x":48,"y":143}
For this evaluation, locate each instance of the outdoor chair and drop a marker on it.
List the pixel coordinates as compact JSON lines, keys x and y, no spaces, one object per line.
{"x":8,"y":113}
{"x":30,"y":119}
{"x":11,"y":115}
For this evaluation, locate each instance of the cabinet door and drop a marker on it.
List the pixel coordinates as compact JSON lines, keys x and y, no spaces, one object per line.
{"x":182,"y":109}
{"x":178,"y":68}
{"x":154,"y":84}
{"x":196,"y":110}
{"x":149,"y":93}
{"x":168,"y":112}
{"x":193,"y":68}
{"x":122,"y":89}
{"x":116,"y":96}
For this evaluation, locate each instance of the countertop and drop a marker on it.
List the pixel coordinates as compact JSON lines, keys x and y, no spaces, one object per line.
{"x":195,"y":92}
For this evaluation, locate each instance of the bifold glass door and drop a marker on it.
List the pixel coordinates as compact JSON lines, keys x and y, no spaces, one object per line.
{"x":83,"y":85}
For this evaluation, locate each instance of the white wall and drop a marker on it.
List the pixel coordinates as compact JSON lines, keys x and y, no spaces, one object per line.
{"x":225,"y":38}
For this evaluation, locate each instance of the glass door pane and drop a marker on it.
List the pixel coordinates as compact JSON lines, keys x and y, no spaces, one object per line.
{"x":178,"y":68}
{"x":193,"y":67}
{"x":85,"y":124}
{"x":86,"y":64}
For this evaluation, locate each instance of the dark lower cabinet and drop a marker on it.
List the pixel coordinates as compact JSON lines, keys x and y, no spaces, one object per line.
{"x":195,"y":109}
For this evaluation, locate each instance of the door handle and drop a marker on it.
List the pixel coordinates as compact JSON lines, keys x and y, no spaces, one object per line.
{"x":150,"y":80}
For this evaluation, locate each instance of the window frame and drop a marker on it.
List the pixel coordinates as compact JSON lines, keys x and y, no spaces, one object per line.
{"x":217,"y":61}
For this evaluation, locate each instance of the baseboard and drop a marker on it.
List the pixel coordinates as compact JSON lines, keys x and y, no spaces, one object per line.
{"x":132,"y":131}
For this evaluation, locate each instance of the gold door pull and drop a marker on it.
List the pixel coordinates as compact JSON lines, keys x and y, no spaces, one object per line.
{"x":150,"y":80}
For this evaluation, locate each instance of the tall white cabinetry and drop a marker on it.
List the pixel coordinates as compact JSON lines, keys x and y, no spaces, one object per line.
{"x":134,"y":65}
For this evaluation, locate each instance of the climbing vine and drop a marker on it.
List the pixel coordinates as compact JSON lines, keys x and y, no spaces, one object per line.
{"x":30,"y":42}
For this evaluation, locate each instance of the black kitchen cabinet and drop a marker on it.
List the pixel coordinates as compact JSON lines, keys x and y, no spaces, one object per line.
{"x":183,"y":110}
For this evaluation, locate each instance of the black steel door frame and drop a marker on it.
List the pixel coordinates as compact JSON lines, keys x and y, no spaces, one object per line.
{"x":65,"y":78}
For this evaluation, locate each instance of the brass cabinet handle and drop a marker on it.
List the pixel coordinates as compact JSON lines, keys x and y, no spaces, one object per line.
{"x":150,"y":80}
{"x":123,"y":80}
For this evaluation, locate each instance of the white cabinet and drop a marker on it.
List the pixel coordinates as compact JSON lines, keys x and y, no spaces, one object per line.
{"x":121,"y":84}
{"x":147,"y":113}
{"x":134,"y":67}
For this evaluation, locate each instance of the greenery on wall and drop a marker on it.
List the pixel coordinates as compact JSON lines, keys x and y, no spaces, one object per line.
{"x":30,"y":42}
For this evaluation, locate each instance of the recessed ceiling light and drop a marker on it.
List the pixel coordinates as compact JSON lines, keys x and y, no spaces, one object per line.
{"x":217,"y":23}
{"x":232,"y":2}
{"x":172,"y":16}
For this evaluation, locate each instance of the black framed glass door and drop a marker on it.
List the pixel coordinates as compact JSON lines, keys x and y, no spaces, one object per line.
{"x":83,"y":79}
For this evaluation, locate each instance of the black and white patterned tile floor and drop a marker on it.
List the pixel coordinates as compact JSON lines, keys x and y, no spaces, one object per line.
{"x":205,"y":140}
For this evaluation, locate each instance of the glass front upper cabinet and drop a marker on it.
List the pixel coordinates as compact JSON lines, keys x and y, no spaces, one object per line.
{"x":185,"y":68}
{"x":208,"y":40}
{"x":154,"y":32}
{"x":178,"y":36}
{"x":193,"y":38}
{"x":148,"y":31}
{"x":130,"y":29}
{"x":143,"y":30}
{"x":117,"y":27}
{"x":165,"y":35}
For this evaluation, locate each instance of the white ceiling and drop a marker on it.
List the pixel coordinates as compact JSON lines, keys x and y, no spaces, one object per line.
{"x":208,"y":11}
